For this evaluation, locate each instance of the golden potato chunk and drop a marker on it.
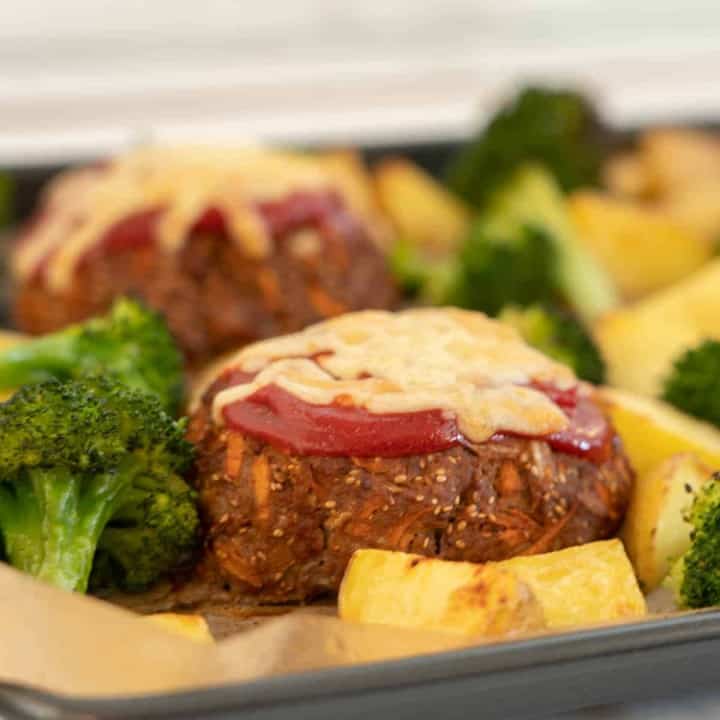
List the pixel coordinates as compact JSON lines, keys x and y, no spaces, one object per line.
{"x":696,"y":208}
{"x":351,"y":173}
{"x":640,"y":342}
{"x":625,"y":175}
{"x":679,"y":158}
{"x":394,"y":588}
{"x":653,"y":431}
{"x":421,"y":209}
{"x":642,"y":249}
{"x":655,"y":532}
{"x":583,"y":585}
{"x":193,"y":627}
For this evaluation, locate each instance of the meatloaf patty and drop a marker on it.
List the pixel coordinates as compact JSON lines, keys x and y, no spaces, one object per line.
{"x":320,"y":258}
{"x":282,"y":526}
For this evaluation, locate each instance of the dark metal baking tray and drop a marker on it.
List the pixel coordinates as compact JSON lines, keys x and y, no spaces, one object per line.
{"x":531,"y":678}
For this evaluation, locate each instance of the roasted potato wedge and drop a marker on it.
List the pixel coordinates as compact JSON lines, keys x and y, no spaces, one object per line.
{"x":640,"y":342}
{"x":625,"y":175}
{"x":193,"y":627}
{"x":394,"y":588}
{"x":351,"y":173}
{"x":642,"y":249}
{"x":420,"y":208}
{"x":680,"y":158}
{"x":653,"y":431}
{"x":588,"y":584}
{"x":696,"y":208}
{"x":655,"y":532}
{"x":583,"y":585}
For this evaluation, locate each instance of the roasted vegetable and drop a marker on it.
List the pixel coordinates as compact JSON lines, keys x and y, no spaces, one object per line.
{"x":532,"y":198}
{"x":90,"y":466}
{"x":559,"y":335}
{"x":626,"y":176}
{"x":422,"y":210}
{"x":420,"y":276}
{"x":642,"y":249}
{"x":192,"y":627}
{"x":522,"y":250}
{"x":495,"y":269}
{"x":641,"y":342}
{"x":393,"y":588}
{"x":678,"y":159}
{"x":656,"y":530}
{"x":130,"y":342}
{"x":652,"y":431}
{"x":581,"y":585}
{"x":695,"y":577}
{"x":696,"y":208}
{"x":693,"y":385}
{"x":557,"y":129}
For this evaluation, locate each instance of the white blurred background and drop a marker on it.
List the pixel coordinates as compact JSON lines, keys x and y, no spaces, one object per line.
{"x":78,"y":77}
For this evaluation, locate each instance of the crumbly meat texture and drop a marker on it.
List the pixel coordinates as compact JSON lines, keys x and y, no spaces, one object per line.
{"x":213,"y":295}
{"x":282,"y":528}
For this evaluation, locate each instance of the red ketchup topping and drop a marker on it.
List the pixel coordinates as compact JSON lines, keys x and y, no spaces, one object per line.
{"x":276,"y":416}
{"x":133,"y":231}
{"x":324,"y":211}
{"x":211,"y":222}
{"x":588,"y":435}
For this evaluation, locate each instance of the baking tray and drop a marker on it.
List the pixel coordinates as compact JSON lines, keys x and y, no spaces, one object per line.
{"x":652,"y":659}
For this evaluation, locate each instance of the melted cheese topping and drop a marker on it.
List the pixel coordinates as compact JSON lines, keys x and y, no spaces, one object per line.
{"x":80,"y":206}
{"x":425,"y":359}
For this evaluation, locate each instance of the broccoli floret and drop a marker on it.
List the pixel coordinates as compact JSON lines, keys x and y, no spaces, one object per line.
{"x":409,"y":266}
{"x":695,"y":577}
{"x":495,"y":269}
{"x":531,"y":197}
{"x":693,"y":385}
{"x":130,"y":342}
{"x":558,"y":129}
{"x":521,"y":250}
{"x":88,"y":464}
{"x":560,"y":336}
{"x":152,"y":531}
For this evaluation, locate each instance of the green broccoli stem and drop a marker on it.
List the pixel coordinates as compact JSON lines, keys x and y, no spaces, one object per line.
{"x":38,"y":359}
{"x":67,"y":514}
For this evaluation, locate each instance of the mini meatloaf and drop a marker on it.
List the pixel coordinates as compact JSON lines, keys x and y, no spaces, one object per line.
{"x":432,"y":431}
{"x":231,"y":245}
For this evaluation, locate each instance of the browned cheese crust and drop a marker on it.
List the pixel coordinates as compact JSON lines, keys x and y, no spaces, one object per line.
{"x":283,"y":527}
{"x":213,"y":295}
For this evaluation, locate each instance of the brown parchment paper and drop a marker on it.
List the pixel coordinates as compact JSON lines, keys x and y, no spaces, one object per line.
{"x":80,"y":646}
